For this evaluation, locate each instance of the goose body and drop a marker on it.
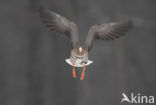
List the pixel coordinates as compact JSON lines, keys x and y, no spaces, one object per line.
{"x":79,"y":57}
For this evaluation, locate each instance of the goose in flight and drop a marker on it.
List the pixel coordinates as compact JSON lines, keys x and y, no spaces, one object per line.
{"x":79,"y":54}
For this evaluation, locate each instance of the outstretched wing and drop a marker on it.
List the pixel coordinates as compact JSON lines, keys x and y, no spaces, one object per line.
{"x":107,"y":32}
{"x":59,"y":24}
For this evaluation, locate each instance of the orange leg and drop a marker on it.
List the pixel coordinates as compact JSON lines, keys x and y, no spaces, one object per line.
{"x":74,"y":73}
{"x":83,"y":72}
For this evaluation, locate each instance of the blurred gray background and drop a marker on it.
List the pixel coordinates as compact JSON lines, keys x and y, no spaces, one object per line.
{"x":33,"y":70}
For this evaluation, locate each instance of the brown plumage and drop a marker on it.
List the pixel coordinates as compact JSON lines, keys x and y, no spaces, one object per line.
{"x":79,"y":54}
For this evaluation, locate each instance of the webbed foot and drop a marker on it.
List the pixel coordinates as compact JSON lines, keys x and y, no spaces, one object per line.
{"x":83,"y":72}
{"x":74,"y":72}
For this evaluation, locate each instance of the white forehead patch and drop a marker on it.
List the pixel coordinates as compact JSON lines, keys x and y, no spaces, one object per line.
{"x":80,"y":49}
